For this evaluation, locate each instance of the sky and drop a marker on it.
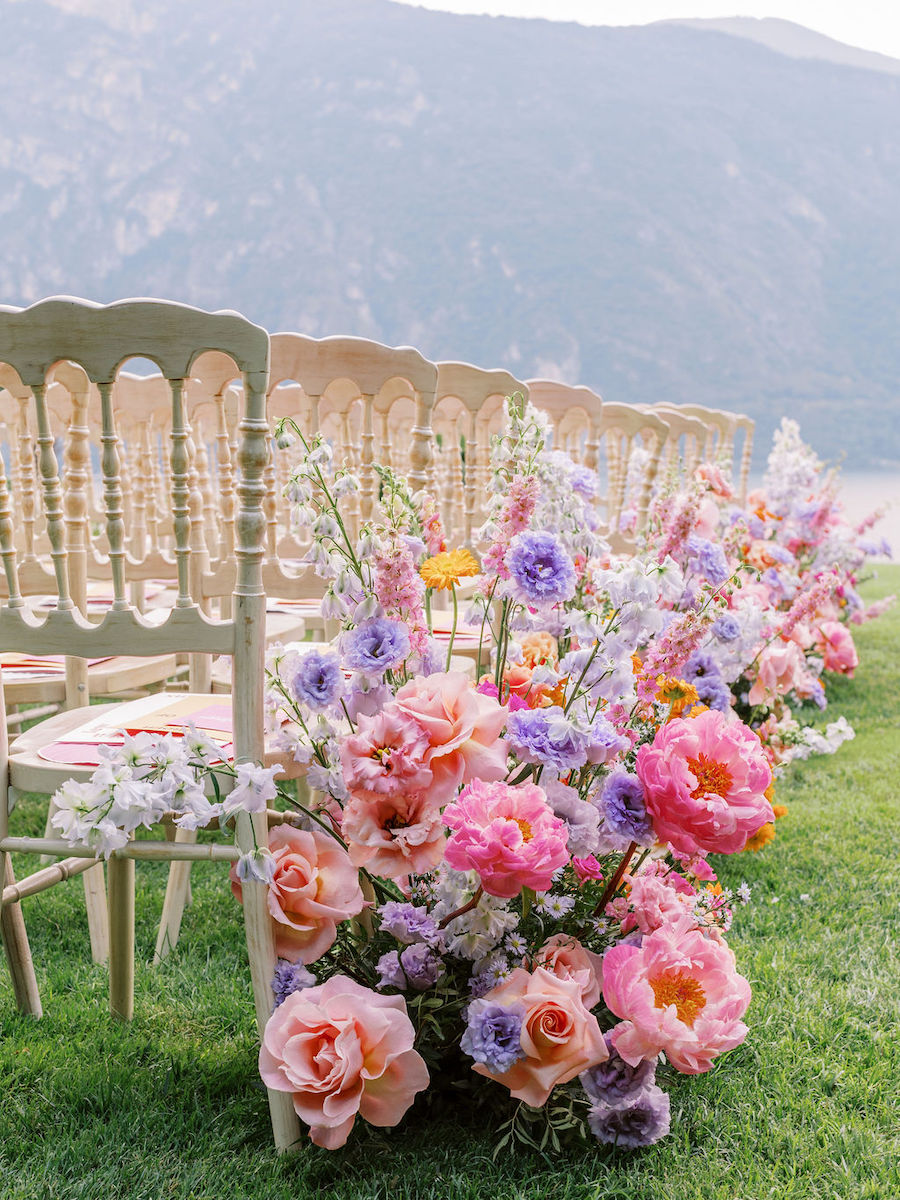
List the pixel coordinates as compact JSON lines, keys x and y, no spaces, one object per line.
{"x":871,"y":24}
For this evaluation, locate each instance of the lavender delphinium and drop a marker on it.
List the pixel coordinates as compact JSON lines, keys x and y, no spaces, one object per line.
{"x":638,"y":1122}
{"x":622,"y":807}
{"x":289,"y":978}
{"x":614,"y":1081}
{"x":317,"y":680}
{"x":375,"y":646}
{"x":493,"y":1034}
{"x":541,"y":569}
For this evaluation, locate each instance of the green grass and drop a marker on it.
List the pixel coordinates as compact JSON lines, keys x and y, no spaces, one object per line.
{"x":809,"y":1107}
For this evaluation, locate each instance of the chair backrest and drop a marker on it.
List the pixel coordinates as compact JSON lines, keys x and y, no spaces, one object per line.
{"x":619,"y":426}
{"x":99,"y":339}
{"x":468,"y":402}
{"x":687,"y":440}
{"x":574,"y":413}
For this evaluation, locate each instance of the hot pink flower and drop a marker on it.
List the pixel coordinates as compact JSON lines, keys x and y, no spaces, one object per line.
{"x":587,"y":868}
{"x":704,"y":781}
{"x":395,"y":835}
{"x":463,"y":728}
{"x":315,"y":887}
{"x":565,"y":957}
{"x":342,"y":1049}
{"x":509,"y":835}
{"x":387,"y":754}
{"x":835,"y":643}
{"x":654,"y":901}
{"x":782,"y":669}
{"x":559,"y":1036}
{"x":677,"y":992}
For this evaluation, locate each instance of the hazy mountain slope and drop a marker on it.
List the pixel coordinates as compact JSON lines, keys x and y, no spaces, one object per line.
{"x":658,"y":212}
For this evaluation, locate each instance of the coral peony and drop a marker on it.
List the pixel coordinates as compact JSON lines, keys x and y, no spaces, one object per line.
{"x":314,"y":887}
{"x":677,"y":992}
{"x":509,"y":835}
{"x":704,"y":781}
{"x":835,"y":643}
{"x":463,"y":728}
{"x":396,"y":835}
{"x":342,"y":1050}
{"x":559,"y":1037}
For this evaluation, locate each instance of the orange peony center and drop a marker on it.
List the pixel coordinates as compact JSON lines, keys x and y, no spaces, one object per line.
{"x":711,"y":776}
{"x":681,"y":990}
{"x":527,"y":833}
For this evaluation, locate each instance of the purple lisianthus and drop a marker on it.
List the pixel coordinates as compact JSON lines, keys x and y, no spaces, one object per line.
{"x":375,"y":646}
{"x":581,"y":818}
{"x":390,"y":973}
{"x":708,"y":558}
{"x":290,"y":977}
{"x":408,"y":923}
{"x":604,"y":741}
{"x":493,"y":1034}
{"x":546,"y":737}
{"x":418,"y":967}
{"x":623,"y":809}
{"x":615,"y":1081}
{"x":639,"y":1122}
{"x":317,"y":680}
{"x":703,"y":672}
{"x":726,"y":628}
{"x":541,"y":569}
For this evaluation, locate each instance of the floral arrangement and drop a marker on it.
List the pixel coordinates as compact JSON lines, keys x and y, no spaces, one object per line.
{"x":494,"y":872}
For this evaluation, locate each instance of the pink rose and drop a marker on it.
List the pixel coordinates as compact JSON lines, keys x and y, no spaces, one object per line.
{"x":782,"y":669}
{"x":835,"y":643}
{"x":342,"y":1049}
{"x":394,"y":836}
{"x":559,"y":1037}
{"x":704,"y":783}
{"x":565,"y":957}
{"x":677,"y":992}
{"x":587,"y":868}
{"x":509,"y":835}
{"x":315,"y":887}
{"x":463,"y":727}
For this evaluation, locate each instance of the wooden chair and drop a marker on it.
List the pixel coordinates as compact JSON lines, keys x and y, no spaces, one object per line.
{"x":687,"y":440}
{"x":574,"y":414}
{"x":99,"y":338}
{"x":619,"y":427}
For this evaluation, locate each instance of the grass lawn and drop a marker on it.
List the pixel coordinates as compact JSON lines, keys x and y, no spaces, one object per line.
{"x":808,"y":1107}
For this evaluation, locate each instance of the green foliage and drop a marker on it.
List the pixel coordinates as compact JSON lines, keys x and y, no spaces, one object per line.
{"x":171,"y":1106}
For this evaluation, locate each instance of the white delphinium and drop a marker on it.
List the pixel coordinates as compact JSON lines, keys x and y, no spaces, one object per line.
{"x":254,"y":787}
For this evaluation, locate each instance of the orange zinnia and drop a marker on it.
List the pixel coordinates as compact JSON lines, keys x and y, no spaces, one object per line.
{"x":445,"y":570}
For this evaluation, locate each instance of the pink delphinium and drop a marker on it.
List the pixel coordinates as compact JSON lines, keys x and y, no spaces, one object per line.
{"x":463,"y":728}
{"x":671,"y":650}
{"x":677,"y":992}
{"x":342,"y":1050}
{"x":835,"y":643}
{"x":314,"y":887}
{"x":394,"y":835}
{"x":515,"y":514}
{"x":432,"y":525}
{"x":508,"y":834}
{"x":400,"y":589}
{"x":704,"y":783}
{"x":559,"y":1037}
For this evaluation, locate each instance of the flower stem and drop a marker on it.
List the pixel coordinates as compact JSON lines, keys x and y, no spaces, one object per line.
{"x":613,"y":884}
{"x":467,"y":907}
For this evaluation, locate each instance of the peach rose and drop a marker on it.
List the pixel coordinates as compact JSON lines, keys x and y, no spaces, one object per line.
{"x":782,"y":668}
{"x":396,"y":835}
{"x":559,"y":1037}
{"x":835,"y":643}
{"x":540,"y":647}
{"x":315,"y":887}
{"x":463,"y":727}
{"x":565,"y":957}
{"x":341,"y":1049}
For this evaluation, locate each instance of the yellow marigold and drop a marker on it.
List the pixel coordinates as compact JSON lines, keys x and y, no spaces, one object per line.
{"x":636,"y":664}
{"x":677,"y":693}
{"x":445,"y":570}
{"x":769,"y":793}
{"x":762,"y":837}
{"x":780,"y":810}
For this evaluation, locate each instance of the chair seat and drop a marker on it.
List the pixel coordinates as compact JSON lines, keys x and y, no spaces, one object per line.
{"x":122,"y":673}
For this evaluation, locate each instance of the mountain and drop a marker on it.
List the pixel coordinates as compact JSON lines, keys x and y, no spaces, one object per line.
{"x":661,"y":212}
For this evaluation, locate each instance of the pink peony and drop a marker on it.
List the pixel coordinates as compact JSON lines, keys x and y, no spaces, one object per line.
{"x":342,"y":1049}
{"x":315,"y":886}
{"x":387,"y":754}
{"x":677,"y":992}
{"x":509,"y":835}
{"x":394,"y":836}
{"x":559,"y":1036}
{"x":704,"y":781}
{"x":782,"y":669}
{"x":654,"y":900}
{"x":835,"y":643}
{"x":564,"y":956}
{"x":463,"y":728}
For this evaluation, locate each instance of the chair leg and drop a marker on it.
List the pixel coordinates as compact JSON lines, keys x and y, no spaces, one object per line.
{"x":17,"y":950}
{"x":97,"y":912}
{"x":121,"y":937}
{"x":177,"y":896}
